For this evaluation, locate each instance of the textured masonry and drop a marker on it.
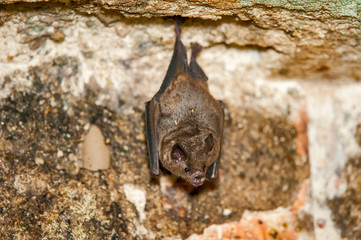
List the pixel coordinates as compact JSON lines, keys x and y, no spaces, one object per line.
{"x":287,"y":72}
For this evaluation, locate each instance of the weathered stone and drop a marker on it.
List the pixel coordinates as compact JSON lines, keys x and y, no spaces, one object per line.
{"x":61,"y":71}
{"x":345,"y":204}
{"x":317,"y":38}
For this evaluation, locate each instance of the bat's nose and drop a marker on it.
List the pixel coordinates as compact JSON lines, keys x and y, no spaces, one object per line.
{"x":197,"y":178}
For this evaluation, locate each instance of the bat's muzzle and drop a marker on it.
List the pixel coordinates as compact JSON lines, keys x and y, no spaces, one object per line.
{"x":198,"y":178}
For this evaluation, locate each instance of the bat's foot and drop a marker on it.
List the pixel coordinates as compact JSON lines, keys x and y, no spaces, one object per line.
{"x":196,"y":48}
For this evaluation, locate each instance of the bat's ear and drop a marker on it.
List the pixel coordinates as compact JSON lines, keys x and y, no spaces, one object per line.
{"x":195,"y":70}
{"x":152,"y":114}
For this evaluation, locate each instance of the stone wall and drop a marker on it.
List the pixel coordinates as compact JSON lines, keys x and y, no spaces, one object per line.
{"x":288,"y":73}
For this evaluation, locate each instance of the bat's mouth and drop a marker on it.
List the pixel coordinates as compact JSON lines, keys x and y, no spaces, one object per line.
{"x":197,"y":179}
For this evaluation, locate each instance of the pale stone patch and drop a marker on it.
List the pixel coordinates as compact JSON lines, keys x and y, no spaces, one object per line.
{"x":95,"y":154}
{"x":137,"y":196}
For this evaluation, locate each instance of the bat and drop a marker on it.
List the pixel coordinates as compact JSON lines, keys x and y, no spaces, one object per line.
{"x":184,"y":123}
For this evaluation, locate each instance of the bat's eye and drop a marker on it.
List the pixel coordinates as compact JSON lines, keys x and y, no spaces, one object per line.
{"x":186,"y":170}
{"x":209,"y":142}
{"x":177,"y":153}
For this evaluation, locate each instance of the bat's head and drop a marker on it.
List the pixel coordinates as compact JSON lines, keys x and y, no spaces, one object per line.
{"x":189,"y":153}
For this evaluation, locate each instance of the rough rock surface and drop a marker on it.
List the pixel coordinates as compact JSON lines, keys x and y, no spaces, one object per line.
{"x":345,"y":204}
{"x":46,"y":195}
{"x":317,"y":37}
{"x":62,"y":70}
